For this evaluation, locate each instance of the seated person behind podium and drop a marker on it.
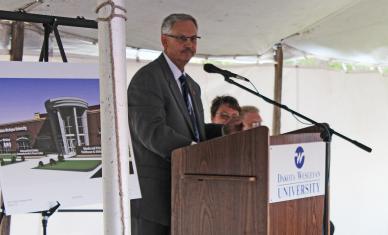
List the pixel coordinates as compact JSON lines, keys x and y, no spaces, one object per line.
{"x":250,"y":116}
{"x":165,"y":113}
{"x":224,"y":110}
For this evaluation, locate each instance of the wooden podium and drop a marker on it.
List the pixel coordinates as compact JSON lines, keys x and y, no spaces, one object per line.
{"x":220,"y":187}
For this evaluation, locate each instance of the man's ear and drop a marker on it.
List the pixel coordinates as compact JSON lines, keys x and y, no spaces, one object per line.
{"x":163,"y":39}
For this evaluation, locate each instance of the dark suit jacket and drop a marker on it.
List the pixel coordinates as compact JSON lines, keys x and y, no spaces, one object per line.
{"x":159,"y":123}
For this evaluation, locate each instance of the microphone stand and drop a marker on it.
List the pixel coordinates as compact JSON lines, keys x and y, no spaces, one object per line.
{"x":326,"y":135}
{"x":2,"y":213}
{"x":46,"y":215}
{"x":330,"y":130}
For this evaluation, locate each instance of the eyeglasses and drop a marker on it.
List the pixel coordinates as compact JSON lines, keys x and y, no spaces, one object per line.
{"x":226,"y":116}
{"x":183,"y":38}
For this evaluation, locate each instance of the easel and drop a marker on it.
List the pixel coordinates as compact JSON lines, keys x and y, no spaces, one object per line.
{"x":50,"y":24}
{"x":46,"y":215}
{"x":2,"y":213}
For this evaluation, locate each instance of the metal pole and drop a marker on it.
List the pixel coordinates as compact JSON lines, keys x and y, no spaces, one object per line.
{"x":114,"y":116}
{"x":59,"y":42}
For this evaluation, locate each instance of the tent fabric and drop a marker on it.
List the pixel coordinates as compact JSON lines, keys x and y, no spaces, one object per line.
{"x":357,"y":34}
{"x":352,"y":30}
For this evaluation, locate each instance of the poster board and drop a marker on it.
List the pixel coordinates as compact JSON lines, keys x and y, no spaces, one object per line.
{"x":50,"y":136}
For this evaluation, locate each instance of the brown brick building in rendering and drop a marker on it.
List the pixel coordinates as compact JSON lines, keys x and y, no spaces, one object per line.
{"x":68,"y":124}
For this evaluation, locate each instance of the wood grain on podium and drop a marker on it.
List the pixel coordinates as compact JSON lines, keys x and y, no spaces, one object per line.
{"x":301,"y":216}
{"x":220,"y":187}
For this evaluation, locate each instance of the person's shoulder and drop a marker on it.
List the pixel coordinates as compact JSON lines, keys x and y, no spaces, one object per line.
{"x":148,"y":71}
{"x":150,"y":67}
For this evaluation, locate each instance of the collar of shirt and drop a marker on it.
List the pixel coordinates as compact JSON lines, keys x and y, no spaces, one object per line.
{"x":175,"y":71}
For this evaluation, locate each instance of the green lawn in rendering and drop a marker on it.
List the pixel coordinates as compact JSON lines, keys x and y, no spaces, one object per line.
{"x":6,"y":159}
{"x":7,"y":155}
{"x":8,"y":163}
{"x":72,"y":165}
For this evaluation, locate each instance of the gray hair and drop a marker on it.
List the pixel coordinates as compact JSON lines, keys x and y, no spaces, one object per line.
{"x":170,"y":20}
{"x":249,"y":109}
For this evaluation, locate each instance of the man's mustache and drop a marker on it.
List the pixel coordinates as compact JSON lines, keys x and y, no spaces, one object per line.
{"x":188,"y":50}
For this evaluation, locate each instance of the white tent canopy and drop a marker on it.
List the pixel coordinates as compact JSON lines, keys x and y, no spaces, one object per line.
{"x":349,"y":30}
{"x":354,"y":104}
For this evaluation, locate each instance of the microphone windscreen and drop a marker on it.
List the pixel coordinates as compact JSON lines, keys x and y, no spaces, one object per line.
{"x":210,"y":68}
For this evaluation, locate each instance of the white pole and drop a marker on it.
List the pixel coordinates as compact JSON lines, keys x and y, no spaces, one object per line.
{"x":114,"y":116}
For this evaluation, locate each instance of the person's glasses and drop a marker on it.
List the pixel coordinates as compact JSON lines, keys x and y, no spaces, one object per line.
{"x":226,"y":116}
{"x":183,"y":38}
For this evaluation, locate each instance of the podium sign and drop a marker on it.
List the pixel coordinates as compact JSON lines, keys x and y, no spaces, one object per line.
{"x":296,"y":171}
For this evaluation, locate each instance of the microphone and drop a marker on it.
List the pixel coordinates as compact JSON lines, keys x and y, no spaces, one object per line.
{"x":210,"y":68}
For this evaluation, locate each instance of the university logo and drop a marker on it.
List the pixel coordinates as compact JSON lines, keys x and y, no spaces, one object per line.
{"x":299,"y":157}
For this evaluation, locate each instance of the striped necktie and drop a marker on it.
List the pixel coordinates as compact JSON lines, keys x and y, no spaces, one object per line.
{"x":186,"y":95}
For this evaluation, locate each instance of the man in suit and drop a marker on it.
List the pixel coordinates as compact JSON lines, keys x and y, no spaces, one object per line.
{"x":165,"y":113}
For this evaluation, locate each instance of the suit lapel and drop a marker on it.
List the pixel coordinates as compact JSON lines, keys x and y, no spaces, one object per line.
{"x":168,"y":75}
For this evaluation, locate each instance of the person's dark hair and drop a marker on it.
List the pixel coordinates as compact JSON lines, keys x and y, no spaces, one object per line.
{"x":225,"y":99}
{"x":170,"y":20}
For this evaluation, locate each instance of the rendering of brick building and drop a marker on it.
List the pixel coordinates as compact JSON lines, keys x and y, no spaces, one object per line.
{"x":68,"y":124}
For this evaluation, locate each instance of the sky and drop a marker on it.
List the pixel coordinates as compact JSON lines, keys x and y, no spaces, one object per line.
{"x":21,"y":98}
